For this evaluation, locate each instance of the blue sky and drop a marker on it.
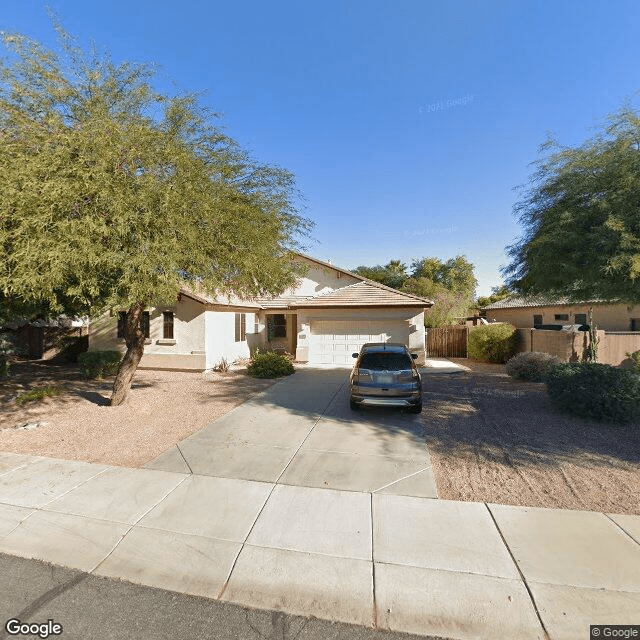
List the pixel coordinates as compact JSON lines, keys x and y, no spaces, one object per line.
{"x":407,"y":123}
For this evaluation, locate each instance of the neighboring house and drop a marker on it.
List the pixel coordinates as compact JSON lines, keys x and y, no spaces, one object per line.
{"x":532,"y":312}
{"x":323,"y":320}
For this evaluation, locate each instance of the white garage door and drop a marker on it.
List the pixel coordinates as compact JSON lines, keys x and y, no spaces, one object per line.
{"x":333,"y":341}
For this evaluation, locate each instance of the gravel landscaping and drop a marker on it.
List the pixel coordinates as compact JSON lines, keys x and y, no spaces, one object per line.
{"x":163,"y":408}
{"x":495,"y":439}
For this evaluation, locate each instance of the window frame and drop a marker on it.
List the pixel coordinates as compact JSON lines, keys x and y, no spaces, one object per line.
{"x":537,"y":315}
{"x":576,"y":317}
{"x":168,"y":325}
{"x":240,"y":322}
{"x":277,"y":328}
{"x":559,"y":317}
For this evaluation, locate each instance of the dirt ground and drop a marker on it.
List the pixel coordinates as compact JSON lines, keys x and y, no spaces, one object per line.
{"x":163,"y":408}
{"x":495,"y":439}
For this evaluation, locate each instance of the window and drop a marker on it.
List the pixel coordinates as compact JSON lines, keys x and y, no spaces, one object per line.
{"x":145,"y":323}
{"x":635,"y":324}
{"x":122,"y":324}
{"x":241,"y":327}
{"x":561,"y":316}
{"x":537,"y":319}
{"x":580,"y":318}
{"x":167,"y":325}
{"x":277,"y":326}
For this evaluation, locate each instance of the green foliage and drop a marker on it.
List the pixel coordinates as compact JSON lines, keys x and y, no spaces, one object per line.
{"x":37,"y":394}
{"x":270,"y":365}
{"x":456,"y":274}
{"x":393,"y":274}
{"x":5,"y":367}
{"x":531,"y":365}
{"x":70,"y":348}
{"x":128,"y":191}
{"x":97,"y":364}
{"x":635,"y":357}
{"x":597,"y":391}
{"x":450,"y":284}
{"x":591,"y":350}
{"x":580,"y":215}
{"x":497,"y":293}
{"x":493,"y":342}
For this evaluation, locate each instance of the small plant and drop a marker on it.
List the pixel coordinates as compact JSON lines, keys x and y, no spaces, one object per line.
{"x":270,"y":365}
{"x":591,"y":350}
{"x":597,"y":391}
{"x":635,"y":357}
{"x":5,"y":367}
{"x":222,"y":366}
{"x":493,"y":342}
{"x":531,"y":366}
{"x":96,"y":364}
{"x":37,"y":394}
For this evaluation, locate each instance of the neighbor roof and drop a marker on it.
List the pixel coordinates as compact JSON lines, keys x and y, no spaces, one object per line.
{"x":518,"y":302}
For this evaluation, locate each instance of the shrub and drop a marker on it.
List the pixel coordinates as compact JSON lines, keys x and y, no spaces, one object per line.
{"x":4,"y":367}
{"x":493,"y":342}
{"x":635,"y":357}
{"x":270,"y":365}
{"x":96,"y":364}
{"x":593,"y":390}
{"x":37,"y":394}
{"x":531,"y":366}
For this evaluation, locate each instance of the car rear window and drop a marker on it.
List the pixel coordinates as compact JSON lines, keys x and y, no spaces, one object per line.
{"x":385,"y":361}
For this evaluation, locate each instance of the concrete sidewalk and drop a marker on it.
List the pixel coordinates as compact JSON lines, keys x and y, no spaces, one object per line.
{"x":404,"y":563}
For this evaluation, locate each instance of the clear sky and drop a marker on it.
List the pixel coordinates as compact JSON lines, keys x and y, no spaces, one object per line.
{"x":408,"y":123}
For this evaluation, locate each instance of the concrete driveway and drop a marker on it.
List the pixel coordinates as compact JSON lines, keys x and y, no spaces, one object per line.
{"x":294,"y":504}
{"x":302,"y":432}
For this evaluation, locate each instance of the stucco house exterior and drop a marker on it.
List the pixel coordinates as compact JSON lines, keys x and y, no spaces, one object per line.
{"x":323,"y":320}
{"x":532,"y":312}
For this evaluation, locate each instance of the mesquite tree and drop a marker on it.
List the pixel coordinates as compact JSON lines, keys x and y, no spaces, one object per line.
{"x":581,"y":216}
{"x":113,"y":194}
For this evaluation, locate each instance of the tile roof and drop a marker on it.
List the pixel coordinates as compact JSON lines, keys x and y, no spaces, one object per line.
{"x":363,"y":294}
{"x":518,"y":302}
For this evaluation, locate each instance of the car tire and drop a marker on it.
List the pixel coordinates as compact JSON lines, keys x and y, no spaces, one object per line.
{"x":416,"y":408}
{"x":354,"y":405}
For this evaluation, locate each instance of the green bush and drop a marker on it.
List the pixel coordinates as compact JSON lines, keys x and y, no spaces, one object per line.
{"x":270,"y":365}
{"x":531,"y":366}
{"x":37,"y":394}
{"x":5,"y":367}
{"x":493,"y":342}
{"x":593,"y":390}
{"x":635,"y":357}
{"x":96,"y":364}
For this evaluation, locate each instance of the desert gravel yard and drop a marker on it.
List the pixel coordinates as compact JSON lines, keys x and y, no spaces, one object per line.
{"x":495,"y":439}
{"x":163,"y":408}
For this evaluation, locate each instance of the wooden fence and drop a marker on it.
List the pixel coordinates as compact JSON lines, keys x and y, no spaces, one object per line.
{"x":447,"y":342}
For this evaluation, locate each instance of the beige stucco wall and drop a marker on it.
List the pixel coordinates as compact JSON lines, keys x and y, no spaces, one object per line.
{"x":220,"y":337}
{"x":414,"y":323}
{"x":188,"y":335}
{"x":319,"y":279}
{"x":569,"y":346}
{"x":610,"y":317}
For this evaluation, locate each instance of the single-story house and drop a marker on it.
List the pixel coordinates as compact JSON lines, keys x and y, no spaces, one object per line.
{"x":323,"y":320}
{"x":532,"y":312}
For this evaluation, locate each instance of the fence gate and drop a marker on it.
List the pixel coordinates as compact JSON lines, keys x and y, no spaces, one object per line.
{"x":447,"y":342}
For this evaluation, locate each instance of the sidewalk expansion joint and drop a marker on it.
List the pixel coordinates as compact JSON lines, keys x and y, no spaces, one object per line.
{"x":185,"y":460}
{"x":373,"y":568}
{"x":621,"y":528}
{"x":524,"y":581}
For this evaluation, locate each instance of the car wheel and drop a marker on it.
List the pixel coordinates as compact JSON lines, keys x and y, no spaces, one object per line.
{"x":416,"y":408}
{"x":354,"y":405}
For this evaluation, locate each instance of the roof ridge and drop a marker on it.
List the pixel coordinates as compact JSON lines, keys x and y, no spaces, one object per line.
{"x":363,"y":279}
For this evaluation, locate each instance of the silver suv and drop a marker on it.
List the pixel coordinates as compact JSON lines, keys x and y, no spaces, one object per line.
{"x":385,"y":374}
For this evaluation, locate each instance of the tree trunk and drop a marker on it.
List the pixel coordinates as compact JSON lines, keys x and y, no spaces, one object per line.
{"x":134,"y":338}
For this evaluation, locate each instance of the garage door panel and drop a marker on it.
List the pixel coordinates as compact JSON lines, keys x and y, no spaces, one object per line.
{"x":333,"y":341}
